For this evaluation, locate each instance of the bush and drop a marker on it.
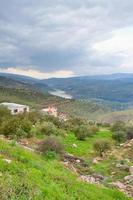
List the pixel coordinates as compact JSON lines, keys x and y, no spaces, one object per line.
{"x":129,"y":133}
{"x":81,"y":132}
{"x":118,"y":126}
{"x":5,"y":114}
{"x":119,"y":136}
{"x":94,"y":129}
{"x":101,"y":146}
{"x":16,"y":128}
{"x":51,"y":144}
{"x":48,"y":128}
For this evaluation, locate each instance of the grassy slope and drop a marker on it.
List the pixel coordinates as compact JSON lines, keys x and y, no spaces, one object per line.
{"x":29,"y":176}
{"x":108,"y":164}
{"x":84,"y":148}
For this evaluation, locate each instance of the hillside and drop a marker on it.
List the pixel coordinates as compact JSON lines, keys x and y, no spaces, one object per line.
{"x":25,"y":93}
{"x":113,"y":88}
{"x":29,"y":176}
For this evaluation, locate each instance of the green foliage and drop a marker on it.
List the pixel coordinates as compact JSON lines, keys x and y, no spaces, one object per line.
{"x":47,"y":128}
{"x":5,"y":114}
{"x":101,"y":146}
{"x":16,"y":127}
{"x":29,"y":176}
{"x":51,"y":143}
{"x":129,"y":132}
{"x":118,"y":126}
{"x":119,"y":136}
{"x":81,"y":132}
{"x":94,"y":129}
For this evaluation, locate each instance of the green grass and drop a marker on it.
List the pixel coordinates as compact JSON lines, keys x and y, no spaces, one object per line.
{"x":30,"y":176}
{"x":84,"y":148}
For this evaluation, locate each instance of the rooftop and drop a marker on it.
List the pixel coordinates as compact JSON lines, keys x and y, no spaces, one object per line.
{"x":13,"y":105}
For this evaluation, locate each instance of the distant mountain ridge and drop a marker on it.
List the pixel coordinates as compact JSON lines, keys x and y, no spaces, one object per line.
{"x":114,"y":88}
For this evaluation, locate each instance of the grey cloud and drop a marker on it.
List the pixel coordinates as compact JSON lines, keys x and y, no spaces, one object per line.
{"x":57,"y":34}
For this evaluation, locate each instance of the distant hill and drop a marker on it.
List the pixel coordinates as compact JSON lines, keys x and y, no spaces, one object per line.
{"x":34,"y":95}
{"x":113,"y":88}
{"x":92,"y":95}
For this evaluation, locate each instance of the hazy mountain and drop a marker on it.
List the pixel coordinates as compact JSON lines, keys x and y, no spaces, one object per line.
{"x":111,"y":88}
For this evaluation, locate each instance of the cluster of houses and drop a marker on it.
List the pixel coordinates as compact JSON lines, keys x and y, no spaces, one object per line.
{"x":18,"y":108}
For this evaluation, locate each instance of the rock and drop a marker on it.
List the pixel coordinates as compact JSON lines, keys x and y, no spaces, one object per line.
{"x":7,"y":160}
{"x":95,"y":161}
{"x":113,"y":173}
{"x":119,"y":185}
{"x":74,"y":145}
{"x":98,"y":177}
{"x":77,"y":161}
{"x":88,"y":179}
{"x":128,"y":178}
{"x":122,"y":167}
{"x":131,"y":170}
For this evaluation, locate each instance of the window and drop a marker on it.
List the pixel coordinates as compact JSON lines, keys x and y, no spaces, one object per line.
{"x":25,"y":109}
{"x":15,"y":110}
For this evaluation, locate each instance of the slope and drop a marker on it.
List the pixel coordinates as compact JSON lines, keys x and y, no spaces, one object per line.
{"x":30,"y":176}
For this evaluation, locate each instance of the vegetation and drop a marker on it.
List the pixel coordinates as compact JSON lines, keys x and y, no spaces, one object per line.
{"x":51,"y":143}
{"x":29,"y":176}
{"x":102,"y":146}
{"x":119,"y":136}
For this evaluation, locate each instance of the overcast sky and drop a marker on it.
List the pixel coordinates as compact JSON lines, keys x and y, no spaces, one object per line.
{"x":62,"y":38}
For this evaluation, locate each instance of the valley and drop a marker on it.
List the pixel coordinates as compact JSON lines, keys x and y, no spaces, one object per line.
{"x":84,"y":150}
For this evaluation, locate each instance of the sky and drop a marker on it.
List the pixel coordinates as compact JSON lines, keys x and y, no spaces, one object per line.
{"x":65,"y":38}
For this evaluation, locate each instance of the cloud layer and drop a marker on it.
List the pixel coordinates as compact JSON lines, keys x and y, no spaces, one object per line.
{"x":72,"y":37}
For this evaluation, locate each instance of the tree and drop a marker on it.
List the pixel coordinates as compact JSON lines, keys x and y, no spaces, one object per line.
{"x":101,"y":146}
{"x":119,"y":136}
{"x":48,"y":128}
{"x":118,"y":126}
{"x":129,"y":132}
{"x":5,"y":114}
{"x":81,"y":132}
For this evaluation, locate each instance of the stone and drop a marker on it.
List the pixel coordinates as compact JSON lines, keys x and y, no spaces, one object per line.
{"x":7,"y":160}
{"x":74,"y":145}
{"x":119,"y":185}
{"x":95,"y":161}
{"x":131,"y":170}
{"x":77,"y":161}
{"x":122,"y":167}
{"x":128,"y":178}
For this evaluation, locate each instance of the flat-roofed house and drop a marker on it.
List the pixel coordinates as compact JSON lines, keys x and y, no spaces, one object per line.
{"x":50,"y":111}
{"x":15,"y":108}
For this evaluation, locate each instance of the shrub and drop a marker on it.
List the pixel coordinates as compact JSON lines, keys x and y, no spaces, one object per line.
{"x":4,"y":114}
{"x":94,"y":129}
{"x":101,"y":146}
{"x":119,"y":136}
{"x":81,"y":132}
{"x":129,"y":133}
{"x":118,"y":126}
{"x":51,"y":144}
{"x":10,"y":127}
{"x":48,"y":128}
{"x":16,"y":128}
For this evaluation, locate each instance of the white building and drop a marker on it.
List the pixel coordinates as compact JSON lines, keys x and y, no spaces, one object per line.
{"x":15,"y":108}
{"x":50,"y":111}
